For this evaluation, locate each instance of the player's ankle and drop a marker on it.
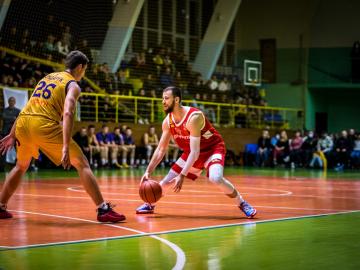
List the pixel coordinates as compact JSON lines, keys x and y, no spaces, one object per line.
{"x":103,"y":206}
{"x":3,"y":206}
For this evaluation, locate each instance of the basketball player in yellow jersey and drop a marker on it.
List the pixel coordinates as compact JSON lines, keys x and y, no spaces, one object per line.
{"x":38,"y":127}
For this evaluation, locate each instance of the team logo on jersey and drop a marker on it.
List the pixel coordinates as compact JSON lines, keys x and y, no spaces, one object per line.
{"x":207,"y":134}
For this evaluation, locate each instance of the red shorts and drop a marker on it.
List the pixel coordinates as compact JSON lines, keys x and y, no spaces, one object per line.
{"x":214,"y":155}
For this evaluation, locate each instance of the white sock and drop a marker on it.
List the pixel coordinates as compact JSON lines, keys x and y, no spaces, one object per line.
{"x":103,"y":206}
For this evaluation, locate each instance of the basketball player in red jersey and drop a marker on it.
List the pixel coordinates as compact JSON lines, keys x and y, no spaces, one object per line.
{"x":203,"y":147}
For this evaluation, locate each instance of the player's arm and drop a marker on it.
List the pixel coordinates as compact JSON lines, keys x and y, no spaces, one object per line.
{"x":68,"y":121}
{"x":194,"y":125}
{"x":160,"y":150}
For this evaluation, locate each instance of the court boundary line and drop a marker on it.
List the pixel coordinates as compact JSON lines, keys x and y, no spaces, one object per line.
{"x":247,"y":222}
{"x":180,"y":255}
{"x":185,"y":203}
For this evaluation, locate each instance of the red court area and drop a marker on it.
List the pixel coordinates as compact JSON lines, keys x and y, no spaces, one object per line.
{"x":57,"y":211}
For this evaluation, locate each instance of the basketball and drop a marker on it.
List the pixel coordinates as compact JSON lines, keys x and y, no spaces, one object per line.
{"x":150,"y":191}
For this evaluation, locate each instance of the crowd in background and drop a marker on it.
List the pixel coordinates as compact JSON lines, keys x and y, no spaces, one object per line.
{"x":306,"y":150}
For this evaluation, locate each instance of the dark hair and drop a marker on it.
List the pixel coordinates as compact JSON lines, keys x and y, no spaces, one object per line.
{"x":91,"y":126}
{"x":104,"y":126}
{"x":116,"y":128}
{"x":75,"y":58}
{"x":176,"y":92}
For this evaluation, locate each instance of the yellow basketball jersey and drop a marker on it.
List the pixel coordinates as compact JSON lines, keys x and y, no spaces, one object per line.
{"x":48,"y":98}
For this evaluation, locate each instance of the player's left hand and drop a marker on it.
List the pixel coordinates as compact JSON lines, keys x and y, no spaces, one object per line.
{"x":6,"y":143}
{"x":178,"y":182}
{"x":65,"y":159}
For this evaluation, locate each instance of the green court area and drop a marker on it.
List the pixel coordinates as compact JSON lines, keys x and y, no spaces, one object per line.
{"x":327,"y":242}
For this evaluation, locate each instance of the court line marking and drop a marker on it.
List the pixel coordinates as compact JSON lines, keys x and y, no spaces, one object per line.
{"x":180,"y":255}
{"x":285,"y":192}
{"x":185,"y":203}
{"x":142,"y":234}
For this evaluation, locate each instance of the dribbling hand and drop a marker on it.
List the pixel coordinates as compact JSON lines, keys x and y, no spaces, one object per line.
{"x":145,"y":177}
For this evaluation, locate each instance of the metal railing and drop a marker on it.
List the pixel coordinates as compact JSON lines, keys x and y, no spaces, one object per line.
{"x":116,"y":108}
{"x":134,"y":109}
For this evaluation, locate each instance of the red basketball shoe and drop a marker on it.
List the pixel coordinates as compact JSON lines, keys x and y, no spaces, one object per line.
{"x":109,"y":215}
{"x":4,"y":213}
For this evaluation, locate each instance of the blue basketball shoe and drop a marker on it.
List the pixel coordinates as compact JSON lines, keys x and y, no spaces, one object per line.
{"x":248,"y":210}
{"x":145,"y":208}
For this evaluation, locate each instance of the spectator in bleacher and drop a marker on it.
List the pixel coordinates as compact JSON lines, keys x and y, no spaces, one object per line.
{"x":342,"y":151}
{"x":143,"y":107}
{"x":181,"y":63}
{"x":150,"y":141}
{"x":352,"y":136}
{"x":308,"y":148}
{"x":25,"y":42}
{"x":324,"y":146}
{"x":167,"y":62}
{"x":94,"y":146}
{"x":130,"y":146}
{"x":123,"y":130}
{"x":225,"y":111}
{"x":62,"y":47}
{"x":67,"y":36}
{"x":209,"y":110}
{"x":81,"y":138}
{"x":123,"y":86}
{"x":84,"y":48}
{"x":158,"y":62}
{"x":106,"y":78}
{"x":49,"y":27}
{"x":296,"y":150}
{"x":12,"y":39}
{"x":180,"y":81}
{"x":49,"y":46}
{"x":264,"y":149}
{"x":9,"y":116}
{"x":149,"y":82}
{"x":355,"y":154}
{"x":197,"y":85}
{"x":173,"y":150}
{"x":224,"y":85}
{"x":104,"y":139}
{"x":118,"y":139}
{"x":195,"y":102}
{"x":281,"y":149}
{"x":166,"y":79}
{"x":213,"y":83}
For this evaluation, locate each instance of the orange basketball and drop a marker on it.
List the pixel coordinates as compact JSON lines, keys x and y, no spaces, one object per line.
{"x":150,"y":191}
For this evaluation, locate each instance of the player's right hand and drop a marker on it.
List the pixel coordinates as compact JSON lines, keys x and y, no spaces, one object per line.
{"x":6,"y":143}
{"x":65,"y":159}
{"x":145,"y":177}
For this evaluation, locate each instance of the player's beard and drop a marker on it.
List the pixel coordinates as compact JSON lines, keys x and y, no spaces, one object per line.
{"x":170,"y":108}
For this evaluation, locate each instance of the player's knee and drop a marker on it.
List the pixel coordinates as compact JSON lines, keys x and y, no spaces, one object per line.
{"x":79,"y":162}
{"x":22,"y":166}
{"x":216,"y":173}
{"x":215,"y":178}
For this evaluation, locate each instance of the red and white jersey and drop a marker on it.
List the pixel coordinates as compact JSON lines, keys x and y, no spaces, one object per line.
{"x":210,"y":137}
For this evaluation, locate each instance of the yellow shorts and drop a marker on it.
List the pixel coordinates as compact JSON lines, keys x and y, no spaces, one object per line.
{"x":35,"y":132}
